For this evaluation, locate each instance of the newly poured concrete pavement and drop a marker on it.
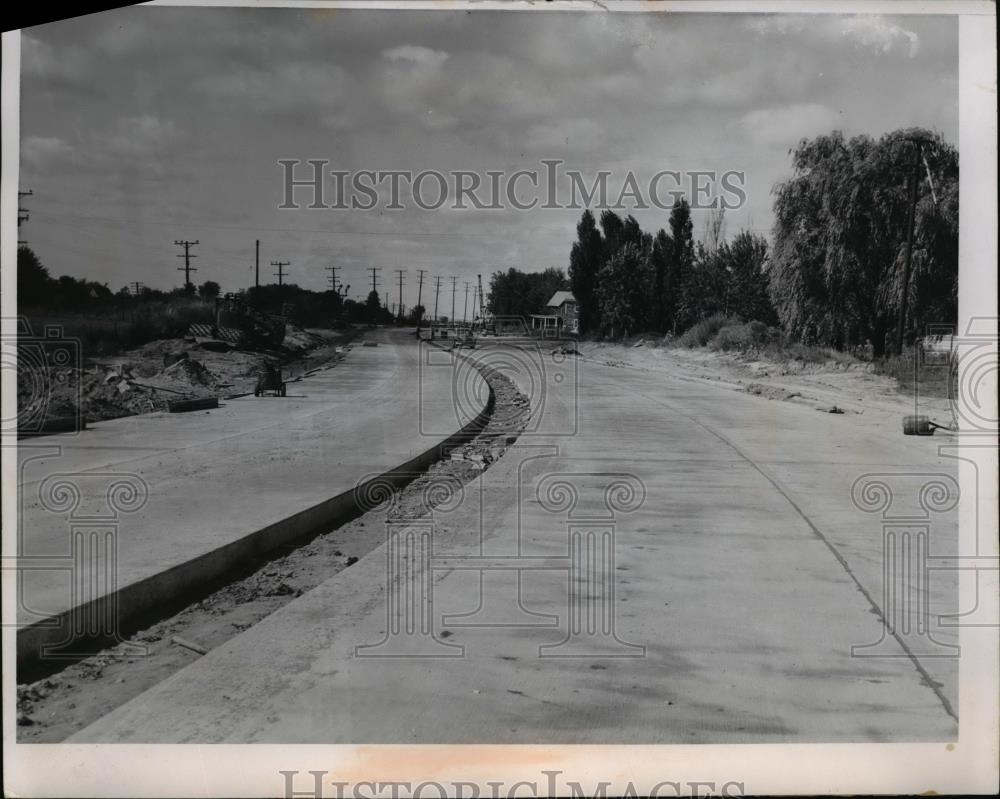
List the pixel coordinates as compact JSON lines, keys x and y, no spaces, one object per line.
{"x":149,"y":507}
{"x":722,"y":569}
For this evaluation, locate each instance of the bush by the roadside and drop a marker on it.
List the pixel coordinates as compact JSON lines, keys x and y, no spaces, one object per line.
{"x":700,"y":333}
{"x":743,"y":337}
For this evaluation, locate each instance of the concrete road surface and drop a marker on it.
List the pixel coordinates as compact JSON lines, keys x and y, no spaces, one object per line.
{"x":681,"y":564}
{"x":185,"y":494}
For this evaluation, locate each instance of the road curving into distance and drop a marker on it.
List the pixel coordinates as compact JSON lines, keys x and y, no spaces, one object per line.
{"x":744,"y":584}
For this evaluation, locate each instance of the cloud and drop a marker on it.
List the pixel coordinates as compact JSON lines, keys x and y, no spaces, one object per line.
{"x":141,"y":136}
{"x":169,"y":112}
{"x":287,"y":87}
{"x":423,"y":57}
{"x":40,"y":60}
{"x":44,"y":151}
{"x":873,"y":32}
{"x":786,"y":126}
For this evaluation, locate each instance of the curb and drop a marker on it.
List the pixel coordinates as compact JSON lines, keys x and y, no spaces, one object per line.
{"x":139,"y":603}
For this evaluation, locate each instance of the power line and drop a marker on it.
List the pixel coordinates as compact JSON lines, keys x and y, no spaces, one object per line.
{"x":187,"y":269}
{"x":454,"y":288}
{"x":437,"y":291}
{"x":256,"y":264}
{"x":465,"y":310}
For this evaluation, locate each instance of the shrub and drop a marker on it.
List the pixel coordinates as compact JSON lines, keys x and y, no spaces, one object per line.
{"x":700,"y":333}
{"x":753,"y":335}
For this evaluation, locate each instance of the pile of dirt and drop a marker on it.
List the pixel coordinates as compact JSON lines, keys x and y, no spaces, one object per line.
{"x":298,"y":340}
{"x":147,"y":378}
{"x":771,"y":392}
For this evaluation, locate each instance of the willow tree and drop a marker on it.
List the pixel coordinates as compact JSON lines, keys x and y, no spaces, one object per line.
{"x":840,"y":237}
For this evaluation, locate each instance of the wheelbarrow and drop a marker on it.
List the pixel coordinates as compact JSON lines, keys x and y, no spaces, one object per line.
{"x":269,"y":380}
{"x":921,"y":426}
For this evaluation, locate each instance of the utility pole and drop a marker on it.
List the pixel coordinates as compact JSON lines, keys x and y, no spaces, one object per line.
{"x":333,"y":277}
{"x":375,"y":270}
{"x":22,"y":213}
{"x":914,"y":179}
{"x":187,"y":269}
{"x":437,"y":292}
{"x":454,"y":287}
{"x":256,"y":265}
{"x":137,"y":288}
{"x":420,"y":294}
{"x":280,"y":274}
{"x":465,"y":310}
{"x":400,"y":272}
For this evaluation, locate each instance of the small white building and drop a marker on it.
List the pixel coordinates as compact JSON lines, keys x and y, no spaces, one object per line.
{"x":562,"y":317}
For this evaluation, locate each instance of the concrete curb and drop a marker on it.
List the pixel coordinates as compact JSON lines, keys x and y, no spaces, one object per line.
{"x":139,"y":602}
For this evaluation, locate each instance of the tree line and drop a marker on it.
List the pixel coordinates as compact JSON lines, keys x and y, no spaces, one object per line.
{"x":627,"y":280}
{"x":833,"y":275}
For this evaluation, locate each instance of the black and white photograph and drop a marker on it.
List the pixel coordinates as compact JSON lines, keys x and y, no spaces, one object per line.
{"x":500,"y":399}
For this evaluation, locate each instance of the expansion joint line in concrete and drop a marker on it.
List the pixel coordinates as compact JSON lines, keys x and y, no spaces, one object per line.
{"x":786,"y":493}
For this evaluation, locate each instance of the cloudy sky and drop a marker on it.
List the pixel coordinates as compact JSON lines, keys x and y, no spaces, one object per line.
{"x":145,"y":125}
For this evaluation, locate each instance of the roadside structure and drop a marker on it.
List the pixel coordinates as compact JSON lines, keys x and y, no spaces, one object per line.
{"x":562,"y":317}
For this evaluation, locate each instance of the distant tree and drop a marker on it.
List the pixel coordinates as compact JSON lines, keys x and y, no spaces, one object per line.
{"x":585,"y":261}
{"x":840,"y":237}
{"x":745,"y":260}
{"x":681,"y":262}
{"x":715,"y":230}
{"x":373,"y":307}
{"x":35,"y":285}
{"x":614,"y":232}
{"x":663,"y":299}
{"x":517,"y":293}
{"x":209,"y":290}
{"x":622,"y":287}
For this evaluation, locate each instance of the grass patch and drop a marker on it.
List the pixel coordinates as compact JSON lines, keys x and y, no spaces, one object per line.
{"x":916,"y":376}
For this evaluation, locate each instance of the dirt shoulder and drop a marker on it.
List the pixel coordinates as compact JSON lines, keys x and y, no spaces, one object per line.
{"x":838,"y":385}
{"x":148,"y":378}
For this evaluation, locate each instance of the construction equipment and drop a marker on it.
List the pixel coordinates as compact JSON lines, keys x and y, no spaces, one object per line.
{"x":936,"y":351}
{"x":922,"y":426}
{"x":486,"y":323}
{"x":269,"y":379}
{"x":464,"y":337}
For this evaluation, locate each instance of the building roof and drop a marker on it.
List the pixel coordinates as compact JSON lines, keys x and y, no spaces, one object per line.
{"x":560,"y":297}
